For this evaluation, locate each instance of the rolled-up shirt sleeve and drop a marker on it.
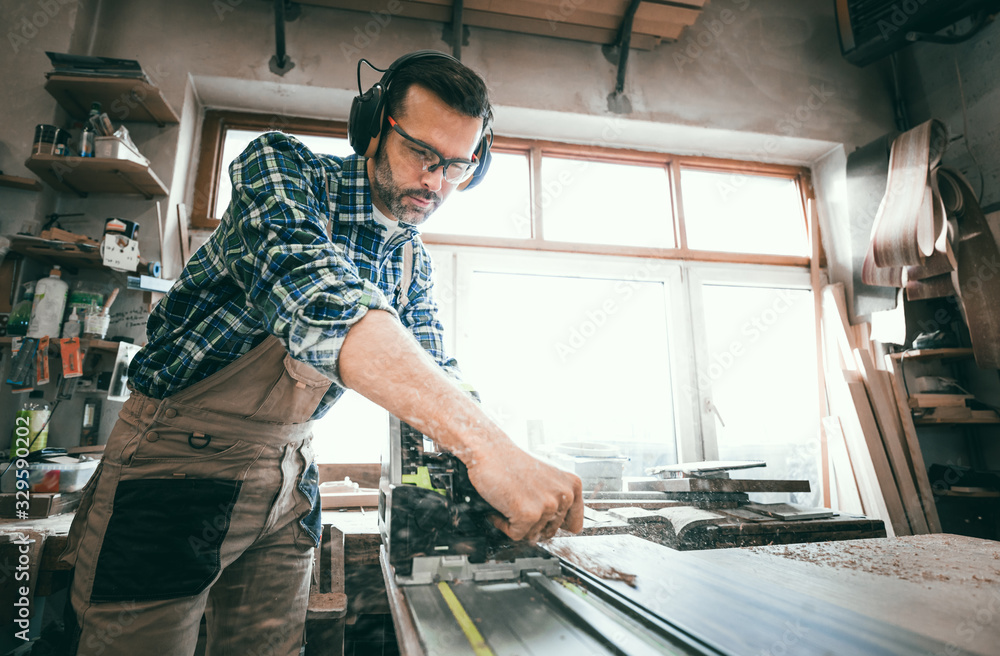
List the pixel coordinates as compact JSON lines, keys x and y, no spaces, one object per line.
{"x":306,"y":288}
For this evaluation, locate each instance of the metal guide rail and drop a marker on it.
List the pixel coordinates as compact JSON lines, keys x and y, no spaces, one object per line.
{"x":537,"y":614}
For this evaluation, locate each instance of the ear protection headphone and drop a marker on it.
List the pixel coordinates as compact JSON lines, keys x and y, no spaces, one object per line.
{"x":364,"y":126}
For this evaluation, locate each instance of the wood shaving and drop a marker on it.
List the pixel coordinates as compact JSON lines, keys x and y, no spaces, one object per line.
{"x":596,"y":568}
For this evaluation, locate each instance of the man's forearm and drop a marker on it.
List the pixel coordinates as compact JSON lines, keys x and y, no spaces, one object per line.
{"x":383,"y":363}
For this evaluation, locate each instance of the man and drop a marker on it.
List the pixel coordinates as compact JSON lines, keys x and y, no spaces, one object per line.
{"x":206,"y":499}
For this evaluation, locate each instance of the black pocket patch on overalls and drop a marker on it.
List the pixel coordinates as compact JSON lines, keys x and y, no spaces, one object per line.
{"x":163,"y":539}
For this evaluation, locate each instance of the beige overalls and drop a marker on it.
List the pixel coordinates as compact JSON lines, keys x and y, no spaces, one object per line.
{"x":205,"y":502}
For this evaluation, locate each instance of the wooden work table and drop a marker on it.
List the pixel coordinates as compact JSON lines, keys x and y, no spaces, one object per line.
{"x":903,"y":593}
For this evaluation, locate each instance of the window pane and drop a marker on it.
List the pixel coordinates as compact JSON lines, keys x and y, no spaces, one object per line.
{"x":237,"y":140}
{"x":761,"y":375}
{"x":354,"y":430}
{"x":742,"y":213}
{"x":497,"y":207}
{"x":603,"y":203}
{"x":582,"y":360}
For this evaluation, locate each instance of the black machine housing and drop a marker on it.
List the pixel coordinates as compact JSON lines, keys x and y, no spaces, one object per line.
{"x":448,"y":518}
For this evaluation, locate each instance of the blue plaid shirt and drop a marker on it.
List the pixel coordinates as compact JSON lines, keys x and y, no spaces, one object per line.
{"x":270,"y":268}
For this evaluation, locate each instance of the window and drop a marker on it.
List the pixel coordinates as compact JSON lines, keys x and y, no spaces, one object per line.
{"x":606,"y":203}
{"x":656,"y":305}
{"x":237,"y":140}
{"x":225,"y":134}
{"x":578,"y":351}
{"x":741,"y":213}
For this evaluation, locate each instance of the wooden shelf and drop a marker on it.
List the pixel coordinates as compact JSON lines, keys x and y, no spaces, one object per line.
{"x":124,"y":99}
{"x":945,"y":422}
{"x":27,"y":184}
{"x":928,"y":354}
{"x":83,"y":175}
{"x":69,"y":255}
{"x":85,"y":342}
{"x":979,"y":494}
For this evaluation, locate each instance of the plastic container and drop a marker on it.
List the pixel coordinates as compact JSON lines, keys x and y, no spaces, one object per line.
{"x":20,"y":314}
{"x":48,"y":306}
{"x":96,"y":324}
{"x":83,"y":297}
{"x":72,"y":326}
{"x":49,"y":477}
{"x":31,"y":428}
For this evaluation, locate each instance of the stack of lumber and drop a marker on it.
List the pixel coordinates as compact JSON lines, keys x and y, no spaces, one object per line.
{"x":870,"y":432}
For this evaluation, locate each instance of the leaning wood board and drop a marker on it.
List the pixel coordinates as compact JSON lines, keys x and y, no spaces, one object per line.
{"x":913,"y":445}
{"x":876,"y":451}
{"x":883,"y":404}
{"x":743,"y":602}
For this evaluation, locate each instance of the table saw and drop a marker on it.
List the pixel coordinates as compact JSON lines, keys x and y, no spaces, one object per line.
{"x":455,"y":588}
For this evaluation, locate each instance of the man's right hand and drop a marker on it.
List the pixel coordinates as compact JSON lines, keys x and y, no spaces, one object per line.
{"x":535,"y":498}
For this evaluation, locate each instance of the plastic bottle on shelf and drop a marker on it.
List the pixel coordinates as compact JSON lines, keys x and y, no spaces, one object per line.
{"x":48,"y":305}
{"x":72,"y":326}
{"x":20,"y":314}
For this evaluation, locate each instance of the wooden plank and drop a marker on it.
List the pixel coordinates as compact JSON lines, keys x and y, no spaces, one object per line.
{"x":649,"y":19}
{"x":927,"y":354}
{"x":928,"y":584}
{"x":730,"y":485}
{"x":474,"y":18}
{"x":883,"y":403}
{"x":120,"y":98}
{"x":937,"y":400}
{"x":926,"y":421}
{"x":882,"y":471}
{"x":82,"y":175}
{"x":847,"y":486}
{"x":742,"y":609}
{"x":817,"y":292}
{"x":17,"y":182}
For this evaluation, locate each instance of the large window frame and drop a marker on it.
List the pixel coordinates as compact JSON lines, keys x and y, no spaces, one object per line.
{"x":218,"y":122}
{"x":692,"y":264}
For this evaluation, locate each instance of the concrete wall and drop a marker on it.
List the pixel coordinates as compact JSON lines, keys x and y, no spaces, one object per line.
{"x":756,"y":79}
{"x":930,"y":76}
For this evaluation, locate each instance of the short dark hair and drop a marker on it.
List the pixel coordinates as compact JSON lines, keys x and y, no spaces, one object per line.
{"x":460,"y":87}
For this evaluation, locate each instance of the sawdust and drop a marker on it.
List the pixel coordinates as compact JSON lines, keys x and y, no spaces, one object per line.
{"x":595,"y":567}
{"x":905,"y":560}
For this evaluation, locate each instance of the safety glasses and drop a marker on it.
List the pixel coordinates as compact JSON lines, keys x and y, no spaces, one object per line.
{"x":427,"y":158}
